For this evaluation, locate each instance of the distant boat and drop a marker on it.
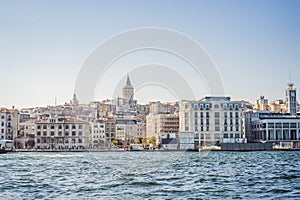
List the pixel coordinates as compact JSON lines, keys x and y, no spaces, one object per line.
{"x":6,"y":145}
{"x":136,"y":147}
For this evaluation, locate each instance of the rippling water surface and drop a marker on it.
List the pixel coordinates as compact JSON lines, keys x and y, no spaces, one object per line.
{"x":150,"y":175}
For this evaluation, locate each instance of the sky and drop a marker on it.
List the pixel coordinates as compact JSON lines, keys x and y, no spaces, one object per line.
{"x":255,"y":45}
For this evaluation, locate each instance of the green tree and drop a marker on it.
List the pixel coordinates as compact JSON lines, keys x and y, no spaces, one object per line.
{"x":152,"y":140}
{"x":114,"y":142}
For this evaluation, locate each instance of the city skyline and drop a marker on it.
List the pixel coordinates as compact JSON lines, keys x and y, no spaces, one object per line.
{"x":255,"y":45}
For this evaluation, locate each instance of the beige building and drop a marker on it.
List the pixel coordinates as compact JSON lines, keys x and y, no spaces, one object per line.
{"x":62,"y":133}
{"x":161,"y":123}
{"x":25,"y":138}
{"x":262,"y":104}
{"x":278,"y":106}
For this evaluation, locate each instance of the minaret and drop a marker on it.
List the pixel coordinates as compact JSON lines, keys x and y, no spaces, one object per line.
{"x":127,"y":91}
{"x":291,"y":100}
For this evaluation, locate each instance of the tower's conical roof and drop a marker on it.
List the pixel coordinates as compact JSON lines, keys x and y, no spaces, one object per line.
{"x":128,"y":83}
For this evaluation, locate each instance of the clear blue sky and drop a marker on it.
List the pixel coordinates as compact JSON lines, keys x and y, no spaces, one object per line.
{"x":255,"y":44}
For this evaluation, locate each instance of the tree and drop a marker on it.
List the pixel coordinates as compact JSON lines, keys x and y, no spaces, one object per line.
{"x":144,"y":140}
{"x":152,"y":140}
{"x":114,"y":142}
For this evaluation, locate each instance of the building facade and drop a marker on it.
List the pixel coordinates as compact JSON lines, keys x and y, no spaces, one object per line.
{"x":213,"y":120}
{"x":62,"y":133}
{"x":275,"y":128}
{"x":99,"y":139}
{"x":161,"y":123}
{"x":126,"y":130}
{"x":8,"y":123}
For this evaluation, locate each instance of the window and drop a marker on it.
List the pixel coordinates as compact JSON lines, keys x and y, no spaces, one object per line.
{"x":38,"y":127}
{"x":237,"y":128}
{"x":44,"y":126}
{"x":38,"y":141}
{"x":278,"y":125}
{"x":231,"y":135}
{"x":237,"y":135}
{"x":217,"y":128}
{"x":45,"y":133}
{"x":225,"y":135}
{"x":217,"y":121}
{"x":216,"y":106}
{"x":59,"y":127}
{"x":80,"y":126}
{"x":207,"y":114}
{"x":293,"y":125}
{"x":230,"y":114}
{"x":52,"y":126}
{"x":38,"y":133}
{"x":52,"y":133}
{"x":225,"y":121}
{"x":80,"y":133}
{"x":66,"y":133}
{"x":225,"y":128}
{"x":202,"y":136}
{"x":186,"y":114}
{"x":217,"y":114}
{"x":286,"y":125}
{"x":73,"y":126}
{"x":73,"y":133}
{"x":236,"y":115}
{"x":196,"y":114}
{"x":225,"y":114}
{"x":67,"y":127}
{"x":207,"y":136}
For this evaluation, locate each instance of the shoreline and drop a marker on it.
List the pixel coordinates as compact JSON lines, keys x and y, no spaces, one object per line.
{"x":121,"y":150}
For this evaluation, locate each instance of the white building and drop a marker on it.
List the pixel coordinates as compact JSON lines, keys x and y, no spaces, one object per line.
{"x":213,"y":119}
{"x":99,"y":139}
{"x":275,"y":128}
{"x":8,"y":123}
{"x":62,"y":133}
